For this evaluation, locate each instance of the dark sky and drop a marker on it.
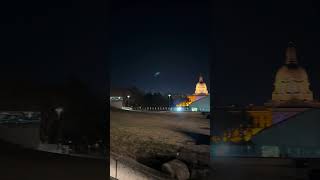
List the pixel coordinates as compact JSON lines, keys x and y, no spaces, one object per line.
{"x":170,"y":37}
{"x":48,"y":42}
{"x":250,"y":38}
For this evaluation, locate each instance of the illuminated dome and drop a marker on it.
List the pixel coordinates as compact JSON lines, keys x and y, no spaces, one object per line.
{"x":292,"y":82}
{"x":201,"y":87}
{"x":200,"y":92}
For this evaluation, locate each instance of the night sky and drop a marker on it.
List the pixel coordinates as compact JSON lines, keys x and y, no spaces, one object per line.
{"x":170,"y":37}
{"x":250,"y":38}
{"x":49,"y":42}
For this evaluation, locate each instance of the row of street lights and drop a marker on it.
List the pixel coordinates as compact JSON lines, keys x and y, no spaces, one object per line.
{"x":169,"y":98}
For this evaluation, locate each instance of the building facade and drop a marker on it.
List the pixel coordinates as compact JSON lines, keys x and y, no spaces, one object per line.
{"x":200,"y":100}
{"x":291,"y":96}
{"x":291,"y":81}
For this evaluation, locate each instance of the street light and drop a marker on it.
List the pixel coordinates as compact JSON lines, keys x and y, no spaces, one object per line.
{"x":169,"y":96}
{"x":128,"y":97}
{"x":59,"y":110}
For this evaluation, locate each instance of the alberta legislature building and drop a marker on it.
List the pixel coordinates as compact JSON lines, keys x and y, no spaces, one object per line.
{"x":199,"y":100}
{"x":291,"y":110}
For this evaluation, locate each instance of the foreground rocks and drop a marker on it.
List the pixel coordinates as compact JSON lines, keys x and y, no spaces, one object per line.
{"x":192,"y":162}
{"x":177,"y":169}
{"x":196,"y":155}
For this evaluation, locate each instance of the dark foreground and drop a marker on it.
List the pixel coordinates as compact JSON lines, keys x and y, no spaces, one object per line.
{"x":237,"y":168}
{"x":24,"y":164}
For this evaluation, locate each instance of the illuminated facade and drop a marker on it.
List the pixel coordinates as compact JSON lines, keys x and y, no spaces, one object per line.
{"x":201,"y":91}
{"x":190,"y":100}
{"x":291,"y":82}
{"x":201,"y":88}
{"x":297,"y":136}
{"x":253,"y":119}
{"x":291,"y":96}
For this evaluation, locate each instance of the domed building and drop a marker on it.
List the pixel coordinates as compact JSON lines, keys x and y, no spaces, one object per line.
{"x":201,"y":88}
{"x":200,"y":100}
{"x":290,"y":98}
{"x":291,"y":81}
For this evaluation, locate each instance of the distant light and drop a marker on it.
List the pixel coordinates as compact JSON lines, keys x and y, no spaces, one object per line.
{"x":169,"y":95}
{"x":156,"y":74}
{"x":194,"y":109}
{"x":127,"y":108}
{"x":128,"y":96}
{"x":59,"y":110}
{"x":179,"y":109}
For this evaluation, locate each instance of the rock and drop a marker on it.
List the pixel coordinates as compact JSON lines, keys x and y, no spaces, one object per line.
{"x":199,"y":154}
{"x":176,"y":169}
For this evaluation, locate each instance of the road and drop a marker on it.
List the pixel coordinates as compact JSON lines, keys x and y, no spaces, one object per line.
{"x":24,"y":164}
{"x":255,"y":168}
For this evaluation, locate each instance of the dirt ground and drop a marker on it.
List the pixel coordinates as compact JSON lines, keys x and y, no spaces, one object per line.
{"x":146,"y":134}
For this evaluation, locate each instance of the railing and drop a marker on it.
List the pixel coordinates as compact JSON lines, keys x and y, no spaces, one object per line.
{"x":175,"y":109}
{"x":153,"y":108}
